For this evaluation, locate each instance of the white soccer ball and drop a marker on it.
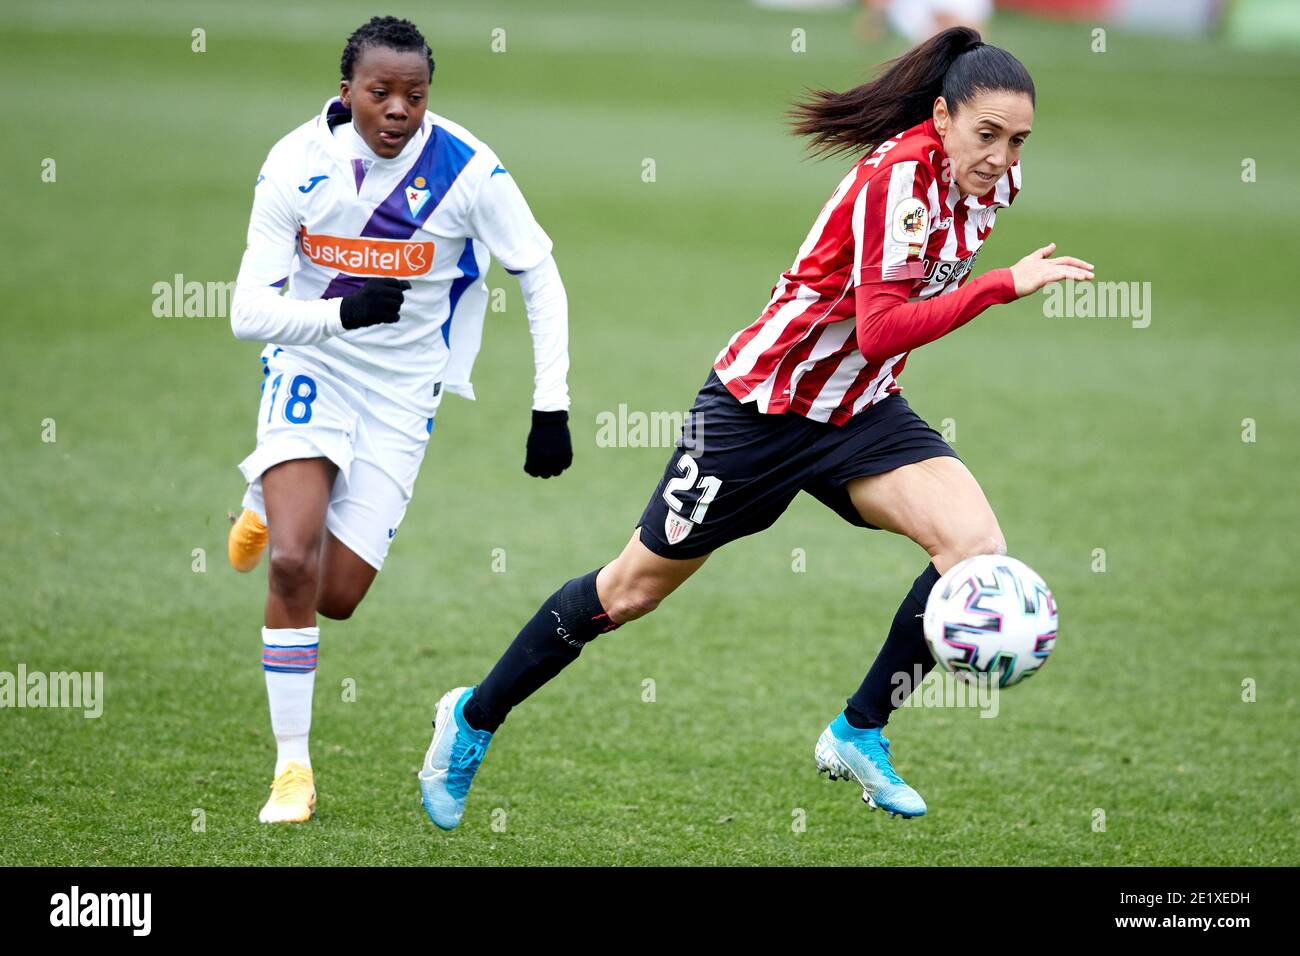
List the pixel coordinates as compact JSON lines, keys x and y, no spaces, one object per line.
{"x":991,"y":615}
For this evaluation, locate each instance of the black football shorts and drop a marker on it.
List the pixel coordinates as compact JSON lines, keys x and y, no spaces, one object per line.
{"x":736,"y":469}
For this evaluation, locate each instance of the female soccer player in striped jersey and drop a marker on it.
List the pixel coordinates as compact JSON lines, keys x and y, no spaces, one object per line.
{"x":806,"y":399}
{"x":378,"y":218}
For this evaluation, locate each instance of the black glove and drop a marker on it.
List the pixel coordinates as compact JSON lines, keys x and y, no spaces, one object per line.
{"x":375,"y":302}
{"x":549,"y":448}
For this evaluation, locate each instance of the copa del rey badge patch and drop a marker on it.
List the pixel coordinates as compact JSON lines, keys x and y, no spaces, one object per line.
{"x":417,"y":194}
{"x":676,"y":528}
{"x":910,"y":218}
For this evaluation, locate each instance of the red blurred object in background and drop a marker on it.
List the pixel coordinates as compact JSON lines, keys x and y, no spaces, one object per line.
{"x":1063,"y":9}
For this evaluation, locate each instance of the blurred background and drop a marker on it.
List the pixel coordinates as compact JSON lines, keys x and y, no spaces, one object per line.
{"x":1243,"y":23}
{"x":1148,"y":472}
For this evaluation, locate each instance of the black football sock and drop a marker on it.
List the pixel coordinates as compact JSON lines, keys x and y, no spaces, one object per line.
{"x":904,"y":654}
{"x":553,"y":639}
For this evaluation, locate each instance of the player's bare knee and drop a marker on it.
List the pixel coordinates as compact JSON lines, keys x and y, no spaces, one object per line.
{"x":986,"y":540}
{"x":631,"y":602}
{"x":292,"y":570}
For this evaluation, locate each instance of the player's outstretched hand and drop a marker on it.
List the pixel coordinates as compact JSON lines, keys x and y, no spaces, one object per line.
{"x":1036,"y":270}
{"x":549,"y":449}
{"x":375,"y":303}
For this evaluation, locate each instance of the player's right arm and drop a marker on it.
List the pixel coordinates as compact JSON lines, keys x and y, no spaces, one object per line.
{"x":259,"y":312}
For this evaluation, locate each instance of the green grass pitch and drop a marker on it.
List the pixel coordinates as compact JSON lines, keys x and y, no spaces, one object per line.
{"x":1086,"y":433}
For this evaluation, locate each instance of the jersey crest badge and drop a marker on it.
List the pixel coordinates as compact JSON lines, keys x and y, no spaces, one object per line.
{"x":909,"y":221}
{"x":417,"y":194}
{"x":676,"y":528}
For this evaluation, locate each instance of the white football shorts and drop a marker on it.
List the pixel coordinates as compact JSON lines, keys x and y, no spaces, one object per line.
{"x":309,"y":411}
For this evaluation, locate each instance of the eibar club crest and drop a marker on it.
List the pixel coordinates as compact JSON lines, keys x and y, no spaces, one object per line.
{"x":417,"y":194}
{"x":676,"y":528}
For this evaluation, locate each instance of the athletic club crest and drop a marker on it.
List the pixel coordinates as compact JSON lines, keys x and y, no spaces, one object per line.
{"x":417,"y":194}
{"x":676,"y":528}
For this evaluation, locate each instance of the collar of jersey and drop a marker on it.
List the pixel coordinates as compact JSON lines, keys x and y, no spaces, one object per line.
{"x":989,"y":199}
{"x":334,"y":107}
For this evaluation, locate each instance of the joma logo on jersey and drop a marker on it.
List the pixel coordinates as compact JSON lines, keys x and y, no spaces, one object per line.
{"x":937,"y":270}
{"x":368,"y":257}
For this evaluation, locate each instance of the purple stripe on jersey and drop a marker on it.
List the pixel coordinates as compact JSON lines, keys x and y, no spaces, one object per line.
{"x":439,"y":163}
{"x":468,"y":266}
{"x":359,"y":172}
{"x":341,"y":285}
{"x":336,"y":112}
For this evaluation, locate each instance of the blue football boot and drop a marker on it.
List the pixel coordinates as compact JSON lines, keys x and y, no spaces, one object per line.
{"x":452,"y":760}
{"x":863,"y":755}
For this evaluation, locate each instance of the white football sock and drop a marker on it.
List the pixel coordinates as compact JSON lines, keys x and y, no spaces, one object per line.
{"x":289,"y":659}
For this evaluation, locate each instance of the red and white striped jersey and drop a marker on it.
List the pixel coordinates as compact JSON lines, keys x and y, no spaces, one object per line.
{"x":896,"y":218}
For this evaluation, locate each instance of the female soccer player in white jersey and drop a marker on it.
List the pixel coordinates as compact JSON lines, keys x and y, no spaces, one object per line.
{"x":806,"y":399}
{"x":378,"y":219}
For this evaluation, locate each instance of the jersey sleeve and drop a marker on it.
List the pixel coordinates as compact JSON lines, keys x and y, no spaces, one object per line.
{"x":888,"y":324}
{"x":258,"y":312}
{"x":891,"y":223}
{"x":272,"y":231}
{"x":500,"y":217}
{"x":548,"y":321}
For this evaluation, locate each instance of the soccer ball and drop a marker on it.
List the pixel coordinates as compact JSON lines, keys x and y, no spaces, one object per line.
{"x":991,"y":615}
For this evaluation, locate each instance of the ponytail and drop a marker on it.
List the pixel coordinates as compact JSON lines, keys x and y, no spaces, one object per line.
{"x":955,"y":64}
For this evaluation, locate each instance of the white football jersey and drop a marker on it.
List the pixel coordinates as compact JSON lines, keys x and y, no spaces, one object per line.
{"x":328,"y":213}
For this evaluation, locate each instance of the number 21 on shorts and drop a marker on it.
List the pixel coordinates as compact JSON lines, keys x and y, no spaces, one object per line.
{"x":675,"y":526}
{"x":297,"y":399}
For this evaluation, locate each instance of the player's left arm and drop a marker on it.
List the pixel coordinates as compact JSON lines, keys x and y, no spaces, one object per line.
{"x":891,"y":230}
{"x":888,"y":324}
{"x":891,"y":227}
{"x":501,"y":218}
